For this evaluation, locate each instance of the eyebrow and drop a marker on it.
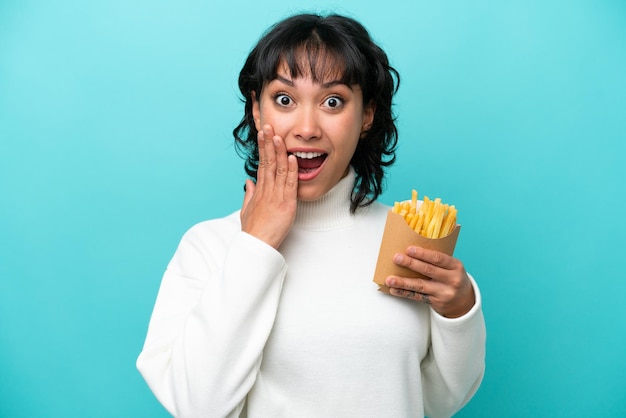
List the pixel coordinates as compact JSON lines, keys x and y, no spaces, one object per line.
{"x":324,"y":85}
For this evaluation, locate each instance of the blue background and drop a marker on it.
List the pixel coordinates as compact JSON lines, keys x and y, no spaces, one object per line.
{"x":115,"y":137}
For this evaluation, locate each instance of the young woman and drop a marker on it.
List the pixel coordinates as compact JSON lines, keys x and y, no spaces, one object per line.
{"x":271,"y":311}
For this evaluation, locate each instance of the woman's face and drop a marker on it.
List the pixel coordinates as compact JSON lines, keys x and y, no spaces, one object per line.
{"x":321,"y":124}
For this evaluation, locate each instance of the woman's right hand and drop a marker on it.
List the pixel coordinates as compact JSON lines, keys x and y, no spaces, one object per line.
{"x":269,"y":206}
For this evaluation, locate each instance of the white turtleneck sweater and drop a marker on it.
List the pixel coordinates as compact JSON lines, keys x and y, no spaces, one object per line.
{"x":241,"y":328}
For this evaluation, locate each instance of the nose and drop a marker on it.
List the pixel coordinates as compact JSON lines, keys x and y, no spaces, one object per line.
{"x":307,"y":126}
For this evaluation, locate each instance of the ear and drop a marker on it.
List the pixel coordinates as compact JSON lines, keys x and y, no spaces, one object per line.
{"x":368,"y":117}
{"x":256,"y":111}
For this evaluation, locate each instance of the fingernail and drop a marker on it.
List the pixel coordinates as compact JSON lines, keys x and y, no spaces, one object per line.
{"x":390,"y":282}
{"x":411,"y":251}
{"x":397,"y":258}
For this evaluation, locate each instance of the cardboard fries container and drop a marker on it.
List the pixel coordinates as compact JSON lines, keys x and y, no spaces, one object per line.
{"x":397,"y":236}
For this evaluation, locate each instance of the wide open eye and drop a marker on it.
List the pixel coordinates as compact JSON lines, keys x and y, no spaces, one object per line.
{"x":282,"y":99}
{"x":333,"y":102}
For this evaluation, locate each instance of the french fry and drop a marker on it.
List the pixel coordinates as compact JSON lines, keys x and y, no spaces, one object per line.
{"x":420,"y":222}
{"x":449,"y":221}
{"x":432,"y":219}
{"x":437,"y":219}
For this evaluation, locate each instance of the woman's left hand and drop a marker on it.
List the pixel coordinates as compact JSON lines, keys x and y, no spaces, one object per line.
{"x":447,"y":287}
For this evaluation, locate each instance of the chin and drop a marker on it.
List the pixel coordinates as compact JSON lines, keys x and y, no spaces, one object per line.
{"x":307,"y":198}
{"x":309,"y":195}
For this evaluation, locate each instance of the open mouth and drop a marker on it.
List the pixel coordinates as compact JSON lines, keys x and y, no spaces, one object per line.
{"x":309,"y":164}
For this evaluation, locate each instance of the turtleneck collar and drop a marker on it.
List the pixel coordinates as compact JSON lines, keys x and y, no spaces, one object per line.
{"x":331,"y":210}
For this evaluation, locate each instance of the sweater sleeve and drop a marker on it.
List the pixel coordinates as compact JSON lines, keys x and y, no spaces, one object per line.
{"x":453,"y":369}
{"x":213,"y":314}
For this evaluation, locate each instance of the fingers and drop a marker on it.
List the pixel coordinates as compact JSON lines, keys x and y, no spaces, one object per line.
{"x":433,"y":264}
{"x":449,"y":301}
{"x":291,"y":182}
{"x":421,"y":290}
{"x":443,"y":283}
{"x":277,"y":170}
{"x":267,"y":157}
{"x":433,"y":257}
{"x":409,"y":294}
{"x":281,"y":159}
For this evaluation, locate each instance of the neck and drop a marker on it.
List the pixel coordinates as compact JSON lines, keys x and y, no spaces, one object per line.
{"x":329,"y":211}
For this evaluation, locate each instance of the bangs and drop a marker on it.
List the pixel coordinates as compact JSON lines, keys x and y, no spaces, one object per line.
{"x":323,"y":60}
